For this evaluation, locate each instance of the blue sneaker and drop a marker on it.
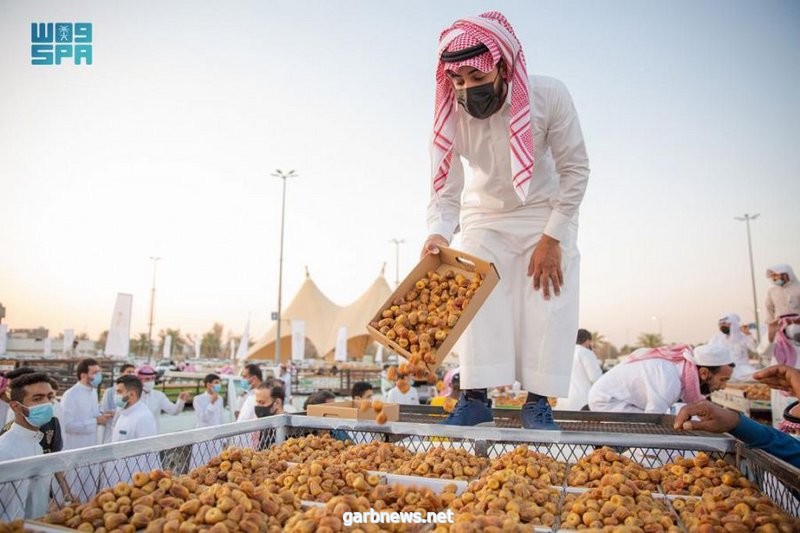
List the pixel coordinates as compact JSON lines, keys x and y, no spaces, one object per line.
{"x":538,"y":415}
{"x":469,"y":413}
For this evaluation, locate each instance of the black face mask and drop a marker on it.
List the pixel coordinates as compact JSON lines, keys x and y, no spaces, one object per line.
{"x":480,"y":101}
{"x":264,"y":410}
{"x":725,"y":329}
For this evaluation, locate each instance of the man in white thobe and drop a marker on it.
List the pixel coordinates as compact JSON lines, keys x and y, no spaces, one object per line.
{"x":81,"y":416}
{"x":653,"y":380}
{"x":732,"y":335}
{"x":253,"y":376}
{"x":210,"y":410}
{"x":155,"y":400}
{"x":31,"y":401}
{"x":135,"y":421}
{"x":107,"y":403}
{"x":783,"y":298}
{"x":518,"y":209}
{"x":586,"y":370}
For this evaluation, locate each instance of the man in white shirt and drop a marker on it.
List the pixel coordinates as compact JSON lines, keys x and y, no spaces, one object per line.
{"x":155,"y":400}
{"x":518,"y":209}
{"x":409,"y":397}
{"x":783,"y":298}
{"x":135,"y":421}
{"x":81,"y":416}
{"x":252,"y":375}
{"x":210,"y":410}
{"x":107,"y":403}
{"x":586,"y":371}
{"x":653,"y":380}
{"x":31,"y":401}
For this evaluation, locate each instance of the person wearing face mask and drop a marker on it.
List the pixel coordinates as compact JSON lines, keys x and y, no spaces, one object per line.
{"x":107,"y":403}
{"x":156,"y":400}
{"x":253,"y":377}
{"x":739,"y":341}
{"x":517,"y":209}
{"x":210,"y":410}
{"x":135,"y":421}
{"x":81,"y":409}
{"x":209,"y":406}
{"x":31,"y":400}
{"x":81,"y":418}
{"x":653,"y":380}
{"x":783,"y":298}
{"x":269,"y":400}
{"x":781,"y":346}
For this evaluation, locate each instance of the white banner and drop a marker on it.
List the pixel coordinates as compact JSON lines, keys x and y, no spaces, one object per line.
{"x":232,"y":348}
{"x":197,"y":347}
{"x":379,"y":354}
{"x":3,"y":338}
{"x":69,"y":336}
{"x":244,"y":343}
{"x":167,"y":347}
{"x":48,"y":346}
{"x":118,"y":341}
{"x":340,"y":353}
{"x":298,"y":340}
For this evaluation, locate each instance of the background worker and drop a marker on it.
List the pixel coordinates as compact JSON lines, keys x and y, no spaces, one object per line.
{"x":107,"y":404}
{"x":586,"y":370}
{"x":783,"y":298}
{"x":155,"y":400}
{"x":31,"y":401}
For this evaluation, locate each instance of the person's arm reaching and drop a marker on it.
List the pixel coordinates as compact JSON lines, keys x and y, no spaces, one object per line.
{"x":444,"y":211}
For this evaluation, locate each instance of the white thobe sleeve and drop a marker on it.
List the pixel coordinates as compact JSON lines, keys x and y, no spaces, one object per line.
{"x":443,"y":213}
{"x":248,"y":411}
{"x":591,"y":365}
{"x":662,"y":392}
{"x":206,"y":411}
{"x":572,"y":164}
{"x":146,"y":426}
{"x":769,"y":304}
{"x":167,"y":406}
{"x":75,"y":415}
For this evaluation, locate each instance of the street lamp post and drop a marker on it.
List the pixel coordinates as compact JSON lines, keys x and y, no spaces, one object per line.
{"x":397,"y":243}
{"x":747,"y":218}
{"x":283,"y":177}
{"x":152,"y":308}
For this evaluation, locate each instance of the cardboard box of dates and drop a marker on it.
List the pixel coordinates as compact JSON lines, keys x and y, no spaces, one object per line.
{"x":427,"y":313}
{"x":354,"y":410}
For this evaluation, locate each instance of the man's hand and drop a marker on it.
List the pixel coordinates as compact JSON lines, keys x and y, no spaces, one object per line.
{"x":213,"y":395}
{"x":712,"y":418}
{"x":432,"y":245}
{"x":781,"y":377}
{"x":545,"y":266}
{"x":105,"y":417}
{"x":184,"y":396}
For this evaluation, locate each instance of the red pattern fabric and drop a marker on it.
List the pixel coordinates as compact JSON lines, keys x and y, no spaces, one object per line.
{"x":680,"y":354}
{"x":494,"y":31}
{"x":784,"y":351}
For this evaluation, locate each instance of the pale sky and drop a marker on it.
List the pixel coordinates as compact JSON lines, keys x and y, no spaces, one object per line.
{"x":165,"y":145}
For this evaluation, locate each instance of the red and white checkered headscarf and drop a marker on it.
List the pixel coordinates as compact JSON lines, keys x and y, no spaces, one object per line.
{"x":492,"y":30}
